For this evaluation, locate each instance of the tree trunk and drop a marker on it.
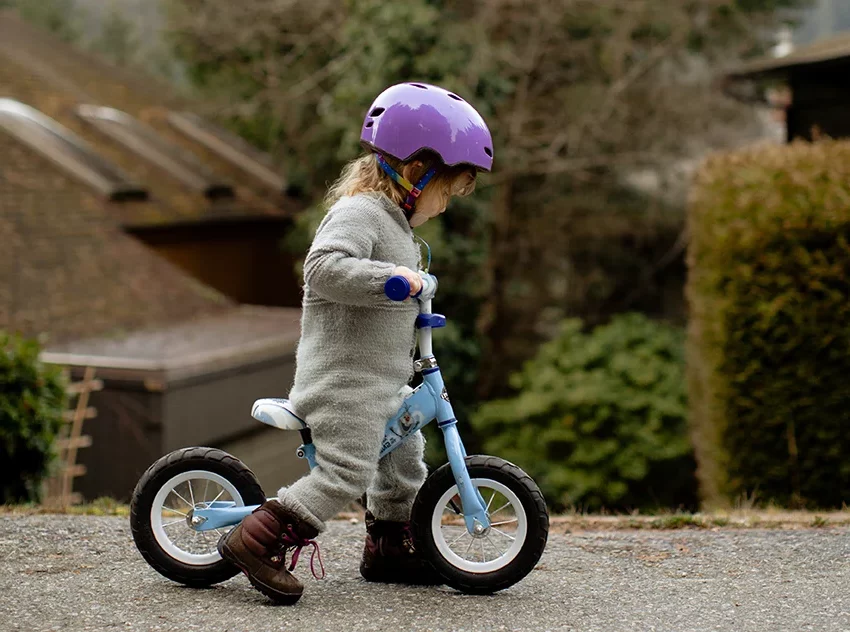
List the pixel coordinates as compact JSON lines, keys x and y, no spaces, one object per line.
{"x":491,"y":319}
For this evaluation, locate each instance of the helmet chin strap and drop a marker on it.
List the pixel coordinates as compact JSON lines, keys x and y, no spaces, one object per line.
{"x":413,"y":192}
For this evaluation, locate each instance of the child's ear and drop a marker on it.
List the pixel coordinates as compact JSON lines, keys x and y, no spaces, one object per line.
{"x":413,"y":171}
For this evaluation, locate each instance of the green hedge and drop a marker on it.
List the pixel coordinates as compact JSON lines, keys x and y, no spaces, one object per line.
{"x":600,"y":418}
{"x":32,"y":398}
{"x":769,"y":337}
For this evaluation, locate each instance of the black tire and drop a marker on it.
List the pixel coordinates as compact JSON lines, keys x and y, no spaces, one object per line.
{"x":532,"y":503}
{"x":177,"y":462}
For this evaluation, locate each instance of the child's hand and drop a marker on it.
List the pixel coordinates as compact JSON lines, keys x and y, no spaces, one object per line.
{"x":412,"y":277}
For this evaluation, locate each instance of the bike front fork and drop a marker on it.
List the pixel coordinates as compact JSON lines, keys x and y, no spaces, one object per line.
{"x":474,"y":508}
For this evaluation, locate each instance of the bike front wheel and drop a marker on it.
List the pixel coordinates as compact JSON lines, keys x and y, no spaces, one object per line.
{"x":507,"y":551}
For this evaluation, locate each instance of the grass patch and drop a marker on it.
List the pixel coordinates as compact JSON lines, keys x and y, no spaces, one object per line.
{"x":677,"y":521}
{"x":102,"y":506}
{"x":772,"y":518}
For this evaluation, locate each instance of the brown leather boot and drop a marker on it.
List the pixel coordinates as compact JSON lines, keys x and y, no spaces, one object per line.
{"x":258,"y":546}
{"x":390,"y":555}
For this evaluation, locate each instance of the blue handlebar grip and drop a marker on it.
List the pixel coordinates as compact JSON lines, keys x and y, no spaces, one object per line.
{"x":397,"y":288}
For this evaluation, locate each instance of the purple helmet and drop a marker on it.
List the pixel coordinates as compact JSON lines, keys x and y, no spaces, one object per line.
{"x":409,"y":117}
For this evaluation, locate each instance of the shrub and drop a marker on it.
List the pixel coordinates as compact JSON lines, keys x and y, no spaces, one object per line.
{"x":600,"y":418}
{"x":32,"y":398}
{"x":769,"y":343}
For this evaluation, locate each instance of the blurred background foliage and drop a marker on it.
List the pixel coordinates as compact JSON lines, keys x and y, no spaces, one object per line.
{"x":32,"y":401}
{"x":601,"y":112}
{"x":769,"y":348}
{"x":600,"y":419}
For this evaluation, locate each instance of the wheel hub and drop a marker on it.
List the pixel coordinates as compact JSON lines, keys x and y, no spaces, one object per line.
{"x":479,"y":530}
{"x":194,"y":521}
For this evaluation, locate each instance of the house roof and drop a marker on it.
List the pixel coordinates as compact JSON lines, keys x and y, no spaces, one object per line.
{"x":825,"y":52}
{"x":68,"y":268}
{"x":49,"y":75}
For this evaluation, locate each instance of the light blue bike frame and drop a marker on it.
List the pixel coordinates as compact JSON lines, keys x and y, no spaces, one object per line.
{"x":420,"y":407}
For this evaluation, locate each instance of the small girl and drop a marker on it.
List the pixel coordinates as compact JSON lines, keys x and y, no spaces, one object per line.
{"x":357,"y":346}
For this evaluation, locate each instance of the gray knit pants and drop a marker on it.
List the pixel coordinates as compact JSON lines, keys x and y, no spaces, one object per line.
{"x":348,"y":464}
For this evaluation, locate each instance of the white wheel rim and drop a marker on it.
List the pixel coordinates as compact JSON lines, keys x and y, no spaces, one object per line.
{"x":500,"y":544}
{"x":178,"y":542}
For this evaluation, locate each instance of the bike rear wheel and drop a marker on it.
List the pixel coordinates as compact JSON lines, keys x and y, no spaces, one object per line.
{"x":163,"y":502}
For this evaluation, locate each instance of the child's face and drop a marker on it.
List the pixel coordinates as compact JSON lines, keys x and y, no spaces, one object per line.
{"x":427,"y":207}
{"x":435,"y":197}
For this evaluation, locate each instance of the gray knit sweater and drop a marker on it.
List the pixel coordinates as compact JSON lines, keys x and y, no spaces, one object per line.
{"x":356,"y":346}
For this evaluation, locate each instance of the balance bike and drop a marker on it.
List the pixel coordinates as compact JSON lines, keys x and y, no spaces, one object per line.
{"x":479,"y":520}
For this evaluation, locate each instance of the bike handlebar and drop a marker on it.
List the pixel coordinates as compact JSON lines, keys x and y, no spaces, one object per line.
{"x":397,"y":288}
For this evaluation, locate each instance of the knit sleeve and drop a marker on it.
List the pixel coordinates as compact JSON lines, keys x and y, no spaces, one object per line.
{"x":338,"y":266}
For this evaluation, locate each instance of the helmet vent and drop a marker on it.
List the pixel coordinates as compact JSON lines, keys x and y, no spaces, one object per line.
{"x":369,"y":123}
{"x":419,"y":85}
{"x":488,"y":151}
{"x":455,"y":97}
{"x":376,"y":112}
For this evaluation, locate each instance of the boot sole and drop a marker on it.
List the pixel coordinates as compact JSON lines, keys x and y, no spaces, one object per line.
{"x":282,"y":598}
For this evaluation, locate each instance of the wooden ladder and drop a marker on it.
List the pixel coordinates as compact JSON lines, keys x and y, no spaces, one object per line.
{"x":60,"y":494}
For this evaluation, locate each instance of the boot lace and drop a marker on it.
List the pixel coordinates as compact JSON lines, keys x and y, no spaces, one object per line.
{"x":407,"y":538}
{"x":291,"y":540}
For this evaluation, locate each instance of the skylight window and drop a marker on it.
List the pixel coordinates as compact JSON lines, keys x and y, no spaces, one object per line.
{"x":146,"y":142}
{"x":60,"y":145}
{"x":230,"y":147}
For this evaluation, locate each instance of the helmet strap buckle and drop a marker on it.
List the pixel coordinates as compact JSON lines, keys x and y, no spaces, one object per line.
{"x":413,"y":191}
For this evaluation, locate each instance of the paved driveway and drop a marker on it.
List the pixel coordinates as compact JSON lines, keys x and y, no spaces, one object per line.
{"x":74,"y":573}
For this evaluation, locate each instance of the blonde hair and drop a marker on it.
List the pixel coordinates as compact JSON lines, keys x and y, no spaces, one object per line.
{"x":364,"y":175}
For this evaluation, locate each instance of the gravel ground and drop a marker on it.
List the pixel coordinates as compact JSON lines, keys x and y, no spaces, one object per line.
{"x":83,"y":573}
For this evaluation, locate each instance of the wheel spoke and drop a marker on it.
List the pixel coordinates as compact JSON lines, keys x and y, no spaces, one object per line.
{"x":177,"y":540}
{"x":206,"y":487}
{"x":510,"y":537}
{"x":496,"y":524}
{"x":493,"y":495}
{"x":191,"y":493}
{"x":498,"y":553}
{"x":168,"y":524}
{"x":170,"y":509}
{"x":507,"y":504}
{"x":174,"y":491}
{"x":471,"y":542}
{"x":462,"y":533}
{"x":217,"y":497}
{"x":481,"y":546}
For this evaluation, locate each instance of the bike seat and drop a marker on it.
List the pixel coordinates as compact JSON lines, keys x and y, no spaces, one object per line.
{"x":278,"y":413}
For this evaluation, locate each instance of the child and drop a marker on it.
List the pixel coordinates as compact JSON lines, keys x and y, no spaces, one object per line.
{"x":357,"y":346}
